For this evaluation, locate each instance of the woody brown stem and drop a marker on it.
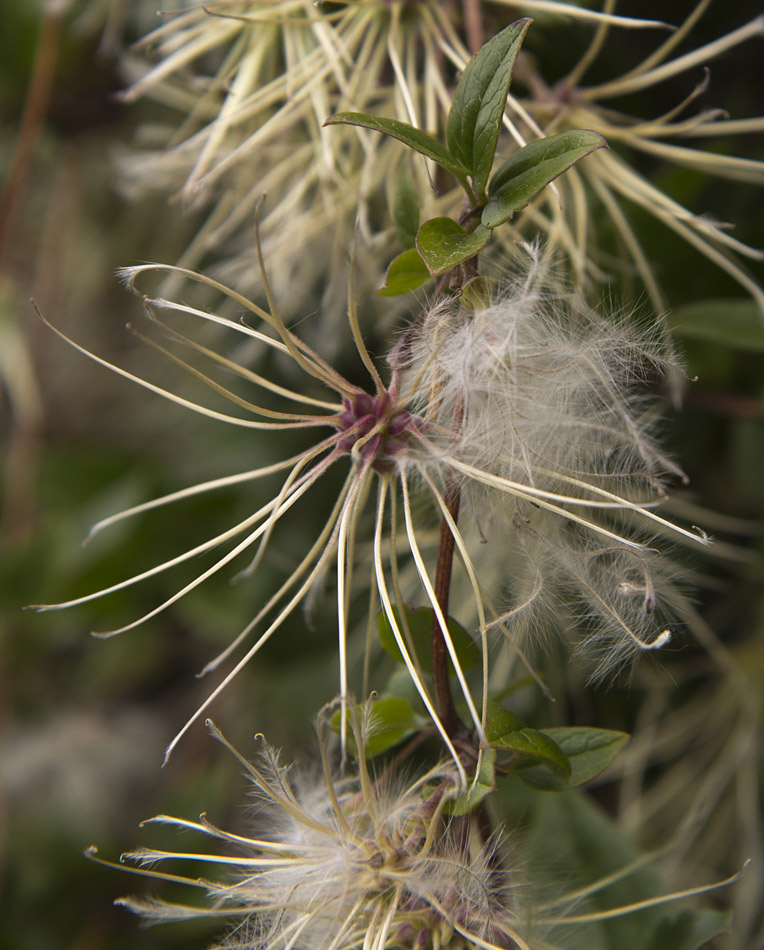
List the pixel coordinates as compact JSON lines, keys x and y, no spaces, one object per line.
{"x":36,"y":104}
{"x":444,"y":702}
{"x":473,"y":24}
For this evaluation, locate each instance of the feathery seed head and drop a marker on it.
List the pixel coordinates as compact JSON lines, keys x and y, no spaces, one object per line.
{"x":251,"y":83}
{"x":545,"y":389}
{"x":614,"y":180}
{"x":542,"y":406}
{"x":376,"y":429}
{"x":346,"y":861}
{"x":534,"y":407}
{"x":350,"y":861}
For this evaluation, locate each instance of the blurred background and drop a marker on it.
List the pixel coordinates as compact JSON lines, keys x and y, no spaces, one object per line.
{"x":85,"y":722}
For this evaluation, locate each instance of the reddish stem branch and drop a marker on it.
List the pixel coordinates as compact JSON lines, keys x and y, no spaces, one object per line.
{"x":473,"y":24}
{"x":444,"y":702}
{"x":36,"y":104}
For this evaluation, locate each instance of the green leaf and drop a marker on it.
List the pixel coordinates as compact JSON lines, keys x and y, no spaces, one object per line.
{"x":399,"y":683}
{"x":443,"y":243}
{"x":476,"y":294}
{"x":531,"y":169}
{"x":484,"y":784}
{"x":690,"y":930}
{"x":500,"y":721}
{"x":505,"y":730}
{"x":406,"y":209}
{"x":477,"y":108}
{"x":418,"y":622}
{"x":392,"y":721}
{"x":589,"y":751}
{"x":534,"y":743}
{"x":570,"y":842}
{"x":420,"y":141}
{"x":734,"y":323}
{"x":406,"y":272}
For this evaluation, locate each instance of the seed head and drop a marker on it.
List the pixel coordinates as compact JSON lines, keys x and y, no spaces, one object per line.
{"x":536,"y":408}
{"x":548,"y":401}
{"x":345,"y":861}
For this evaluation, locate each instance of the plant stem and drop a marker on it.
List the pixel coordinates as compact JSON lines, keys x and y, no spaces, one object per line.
{"x":444,"y":702}
{"x":38,"y":96}
{"x":473,"y":24}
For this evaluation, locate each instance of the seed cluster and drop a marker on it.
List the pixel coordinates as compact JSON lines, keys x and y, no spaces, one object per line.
{"x":377,"y":429}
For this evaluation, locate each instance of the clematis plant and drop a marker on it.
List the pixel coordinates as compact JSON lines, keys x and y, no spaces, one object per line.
{"x":502,"y":475}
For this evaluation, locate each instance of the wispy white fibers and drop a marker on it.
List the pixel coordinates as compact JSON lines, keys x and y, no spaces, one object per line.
{"x":342,"y":861}
{"x":557,"y":440}
{"x":538,"y":410}
{"x":245,"y":86}
{"x":353,"y":860}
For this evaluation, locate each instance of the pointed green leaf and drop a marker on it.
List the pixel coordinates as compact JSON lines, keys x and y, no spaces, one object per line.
{"x":417,"y":621}
{"x":483,"y":784}
{"x":500,"y":721}
{"x":733,"y":323}
{"x":531,"y":169}
{"x":420,"y":141}
{"x":476,"y":294}
{"x":443,"y":243}
{"x":392,"y":721}
{"x":505,"y":730}
{"x":477,"y":108}
{"x":532,"y":742}
{"x":406,"y":272}
{"x":589,"y":752}
{"x":406,"y":209}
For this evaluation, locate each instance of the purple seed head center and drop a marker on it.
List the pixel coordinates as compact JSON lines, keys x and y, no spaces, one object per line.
{"x":376,"y":429}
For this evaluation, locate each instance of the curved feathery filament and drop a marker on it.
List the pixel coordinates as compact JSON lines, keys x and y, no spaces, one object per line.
{"x":553,"y":435}
{"x":253,"y":123}
{"x":341,"y":860}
